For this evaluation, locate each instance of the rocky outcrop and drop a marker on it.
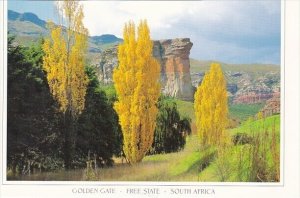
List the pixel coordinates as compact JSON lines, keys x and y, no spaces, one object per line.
{"x":253,"y":90}
{"x":252,"y":98}
{"x":272,"y":105}
{"x":173,"y":55}
{"x":108,"y":61}
{"x":253,"y":93}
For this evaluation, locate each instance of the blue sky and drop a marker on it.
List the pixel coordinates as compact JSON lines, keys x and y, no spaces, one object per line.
{"x":226,"y":31}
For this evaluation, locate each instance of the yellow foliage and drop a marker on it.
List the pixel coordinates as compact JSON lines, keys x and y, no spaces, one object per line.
{"x":260,"y":115}
{"x":137,"y":85}
{"x":211,"y":108}
{"x":65,"y":57}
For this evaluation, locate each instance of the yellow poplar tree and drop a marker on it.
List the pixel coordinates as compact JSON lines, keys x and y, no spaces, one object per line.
{"x":137,"y":85}
{"x":63,"y":62}
{"x":211,"y":108}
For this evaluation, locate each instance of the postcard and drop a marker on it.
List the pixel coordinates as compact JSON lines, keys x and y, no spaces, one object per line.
{"x":150,"y":98}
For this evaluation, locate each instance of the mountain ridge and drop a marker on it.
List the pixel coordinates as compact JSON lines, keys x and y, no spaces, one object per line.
{"x":29,"y":28}
{"x":26,"y":16}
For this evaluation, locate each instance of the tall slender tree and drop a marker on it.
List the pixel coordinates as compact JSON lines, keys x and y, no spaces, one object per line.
{"x":211,"y":108}
{"x":137,"y":86}
{"x":63,"y":62}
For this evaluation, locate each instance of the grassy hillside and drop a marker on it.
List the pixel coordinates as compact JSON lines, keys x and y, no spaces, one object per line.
{"x":257,"y":125}
{"x":239,"y":112}
{"x":257,"y":160}
{"x":243,"y":111}
{"x":203,"y":66}
{"x":186,"y":108}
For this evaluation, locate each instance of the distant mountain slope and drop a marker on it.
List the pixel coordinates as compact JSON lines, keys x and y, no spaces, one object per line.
{"x":27,"y":16}
{"x":202,"y":66}
{"x":29,"y":28}
{"x":247,"y":83}
{"x":106,"y":38}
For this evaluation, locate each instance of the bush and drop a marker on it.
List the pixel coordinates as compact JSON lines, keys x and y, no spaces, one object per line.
{"x":241,"y":138}
{"x":171,"y":130}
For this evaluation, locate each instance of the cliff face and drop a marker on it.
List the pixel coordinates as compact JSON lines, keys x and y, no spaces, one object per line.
{"x":173,"y":55}
{"x":175,"y":67}
{"x":108,"y":61}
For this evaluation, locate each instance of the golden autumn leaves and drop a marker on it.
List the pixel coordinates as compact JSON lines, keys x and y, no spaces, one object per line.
{"x":137,"y":85}
{"x":211,"y":109}
{"x":136,"y":80}
{"x":64,"y":59}
{"x":64,"y":62}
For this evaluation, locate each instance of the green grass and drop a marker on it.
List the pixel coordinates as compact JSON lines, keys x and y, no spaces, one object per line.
{"x":243,"y":111}
{"x":179,"y":166}
{"x":257,"y":125}
{"x":235,"y":163}
{"x":186,"y":109}
{"x":228,"y":168}
{"x":190,"y":164}
{"x":240,"y":112}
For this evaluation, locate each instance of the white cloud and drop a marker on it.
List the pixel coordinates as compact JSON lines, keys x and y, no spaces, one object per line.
{"x":104,"y":16}
{"x":218,"y":26}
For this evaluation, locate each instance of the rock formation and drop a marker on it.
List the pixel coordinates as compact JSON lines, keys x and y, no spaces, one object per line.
{"x":173,"y":55}
{"x":175,"y":67}
{"x":252,"y":98}
{"x":272,"y":106}
{"x":108,"y":61}
{"x":254,"y":91}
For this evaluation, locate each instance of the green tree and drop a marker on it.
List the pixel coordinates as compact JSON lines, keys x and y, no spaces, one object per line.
{"x":32,"y":122}
{"x":97,"y":125}
{"x":171,"y":130}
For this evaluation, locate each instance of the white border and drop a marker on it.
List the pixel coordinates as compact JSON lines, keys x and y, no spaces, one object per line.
{"x":287,"y":187}
{"x":4,"y":107}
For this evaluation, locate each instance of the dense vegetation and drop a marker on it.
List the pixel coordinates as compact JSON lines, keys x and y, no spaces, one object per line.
{"x":171,"y":130}
{"x":253,"y":155}
{"x":60,"y":116}
{"x":33,"y":135}
{"x":35,"y":126}
{"x":193,"y":164}
{"x":36,"y":129}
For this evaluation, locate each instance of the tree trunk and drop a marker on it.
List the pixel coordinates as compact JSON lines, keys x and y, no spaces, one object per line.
{"x":69,"y":134}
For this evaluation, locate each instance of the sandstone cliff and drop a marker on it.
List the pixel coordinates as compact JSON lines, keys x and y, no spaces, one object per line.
{"x":173,"y":55}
